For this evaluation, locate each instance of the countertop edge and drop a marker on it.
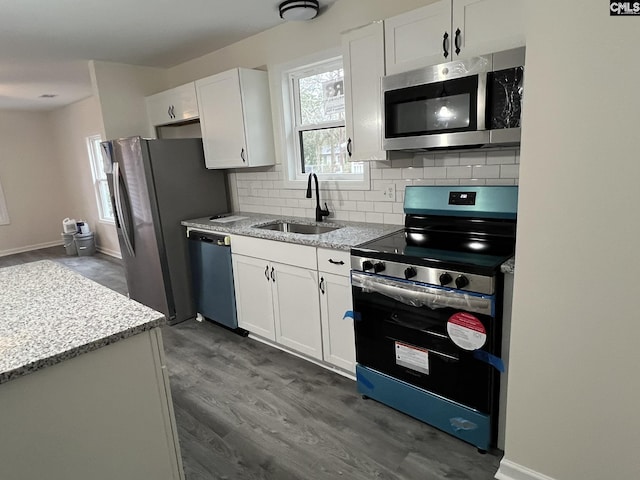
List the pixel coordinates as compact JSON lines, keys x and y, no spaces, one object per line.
{"x":77,"y":351}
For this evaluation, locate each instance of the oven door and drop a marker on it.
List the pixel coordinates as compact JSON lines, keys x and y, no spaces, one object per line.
{"x":403,"y":331}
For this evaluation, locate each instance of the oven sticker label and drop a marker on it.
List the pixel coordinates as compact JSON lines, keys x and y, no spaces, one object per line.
{"x":412,"y":357}
{"x":466,"y":331}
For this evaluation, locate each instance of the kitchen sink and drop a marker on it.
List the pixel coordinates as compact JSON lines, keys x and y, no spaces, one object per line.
{"x":292,"y":227}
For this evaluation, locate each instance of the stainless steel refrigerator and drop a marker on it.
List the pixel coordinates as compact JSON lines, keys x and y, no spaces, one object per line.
{"x":154,"y":184}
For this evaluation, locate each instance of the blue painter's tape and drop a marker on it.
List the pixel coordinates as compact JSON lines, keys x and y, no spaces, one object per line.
{"x":364,"y":381}
{"x":490,"y":359}
{"x":459,"y":423}
{"x":351,"y":314}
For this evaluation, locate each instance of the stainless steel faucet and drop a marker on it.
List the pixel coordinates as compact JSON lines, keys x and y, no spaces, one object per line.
{"x":320,"y":213}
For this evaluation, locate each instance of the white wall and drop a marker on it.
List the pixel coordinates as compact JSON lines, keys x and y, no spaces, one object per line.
{"x":574,"y":383}
{"x":33,"y":182}
{"x":71,"y":126}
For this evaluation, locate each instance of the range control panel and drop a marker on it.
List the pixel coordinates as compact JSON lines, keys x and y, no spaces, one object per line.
{"x":433,"y":276}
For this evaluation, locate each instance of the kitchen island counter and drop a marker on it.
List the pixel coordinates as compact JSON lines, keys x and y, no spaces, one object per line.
{"x":50,"y":313}
{"x":84,"y":388}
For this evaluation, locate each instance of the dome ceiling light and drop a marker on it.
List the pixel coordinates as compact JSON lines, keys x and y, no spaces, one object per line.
{"x":297,"y":10}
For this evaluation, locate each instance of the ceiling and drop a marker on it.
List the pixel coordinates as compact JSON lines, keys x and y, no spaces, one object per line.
{"x":45,"y":46}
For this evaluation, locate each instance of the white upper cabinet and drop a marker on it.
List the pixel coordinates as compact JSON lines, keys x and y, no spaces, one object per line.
{"x":363,"y":60}
{"x":176,"y":105}
{"x":235,"y":118}
{"x":450,"y":29}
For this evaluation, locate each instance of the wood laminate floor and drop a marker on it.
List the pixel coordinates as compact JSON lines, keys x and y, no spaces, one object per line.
{"x":245,"y":410}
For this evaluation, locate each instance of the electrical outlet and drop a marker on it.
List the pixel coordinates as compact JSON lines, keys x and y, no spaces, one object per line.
{"x":389,"y":192}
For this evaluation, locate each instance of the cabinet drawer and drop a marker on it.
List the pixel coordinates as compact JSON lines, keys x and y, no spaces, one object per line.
{"x":274,"y":251}
{"x":330,"y":261}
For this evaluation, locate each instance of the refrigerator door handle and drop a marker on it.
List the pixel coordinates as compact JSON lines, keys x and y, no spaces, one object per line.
{"x":118,"y":198}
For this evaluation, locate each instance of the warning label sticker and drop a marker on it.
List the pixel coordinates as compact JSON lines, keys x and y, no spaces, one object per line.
{"x":412,"y":357}
{"x":466,"y":331}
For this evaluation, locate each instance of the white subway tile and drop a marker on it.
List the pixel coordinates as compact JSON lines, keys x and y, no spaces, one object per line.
{"x":473,"y":158}
{"x":473,"y":181}
{"x":374,"y":217}
{"x":447,"y":182}
{"x":339,"y":215}
{"x":375,"y":173}
{"x":348,"y":205}
{"x":424,"y":181}
{"x":383,"y":207}
{"x":364,"y":206}
{"x":501,"y":181}
{"x":398,"y":208}
{"x":518,"y":156}
{"x":402,"y":163}
{"x":393,"y":219}
{"x":435,"y":172}
{"x":391,"y":174}
{"x":355,"y":195}
{"x":412,"y":172}
{"x":501,"y":157}
{"x":486,"y":171}
{"x":299,"y":212}
{"x":447,"y":159}
{"x":459,"y":172}
{"x":287,"y":212}
{"x":509,"y":171}
{"x":357,"y":217}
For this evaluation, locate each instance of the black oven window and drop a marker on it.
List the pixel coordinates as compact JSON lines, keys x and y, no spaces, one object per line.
{"x":442,"y":107}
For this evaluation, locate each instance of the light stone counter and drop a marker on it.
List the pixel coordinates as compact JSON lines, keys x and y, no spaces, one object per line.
{"x":49,"y":313}
{"x":509,"y":266}
{"x":347,"y":235}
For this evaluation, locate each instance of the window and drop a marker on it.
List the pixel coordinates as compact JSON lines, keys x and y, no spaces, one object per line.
{"x":105,"y":210}
{"x":313,"y":110}
{"x":4,"y":214}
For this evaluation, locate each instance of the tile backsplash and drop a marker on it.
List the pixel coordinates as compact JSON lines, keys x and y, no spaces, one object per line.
{"x":262,"y":190}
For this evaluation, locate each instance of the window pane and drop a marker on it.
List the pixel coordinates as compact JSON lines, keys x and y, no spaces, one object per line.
{"x":325,"y":151}
{"x":322,"y":97}
{"x":105,"y":200}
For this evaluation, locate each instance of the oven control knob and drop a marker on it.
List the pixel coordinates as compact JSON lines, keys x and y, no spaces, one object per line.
{"x":378,"y":267}
{"x":410,"y":273}
{"x":445,"y":278}
{"x":367,"y":265}
{"x":462,"y":281}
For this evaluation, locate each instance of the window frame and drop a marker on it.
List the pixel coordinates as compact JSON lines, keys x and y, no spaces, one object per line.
{"x":287,"y":136}
{"x":95,"y":160}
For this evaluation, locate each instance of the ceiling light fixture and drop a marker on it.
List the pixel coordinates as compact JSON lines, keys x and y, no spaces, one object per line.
{"x":299,"y":9}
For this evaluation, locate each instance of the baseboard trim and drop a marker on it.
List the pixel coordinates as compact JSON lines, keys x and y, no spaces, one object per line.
{"x":512,"y":471}
{"x":108,"y":251}
{"x":28,"y":248}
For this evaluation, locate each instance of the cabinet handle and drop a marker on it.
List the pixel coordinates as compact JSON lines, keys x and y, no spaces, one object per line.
{"x":173,"y":111}
{"x":273,"y":275}
{"x":322,"y":285}
{"x":336,"y":263}
{"x":349,"y":147}
{"x":456,"y":41}
{"x":169,"y":111}
{"x":242,"y":155}
{"x":266,"y":272}
{"x":445,"y":37}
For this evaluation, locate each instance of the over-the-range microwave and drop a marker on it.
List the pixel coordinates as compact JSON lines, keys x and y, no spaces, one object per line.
{"x":475,"y":102}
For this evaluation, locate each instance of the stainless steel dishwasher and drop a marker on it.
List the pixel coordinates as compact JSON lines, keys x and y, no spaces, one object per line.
{"x":212,"y":276}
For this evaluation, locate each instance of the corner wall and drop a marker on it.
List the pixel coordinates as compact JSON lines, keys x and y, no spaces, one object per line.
{"x":71,"y":126}
{"x":573,"y":383}
{"x":33,"y":181}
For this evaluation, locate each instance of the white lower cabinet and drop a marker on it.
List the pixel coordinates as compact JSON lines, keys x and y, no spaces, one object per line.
{"x":276,"y":300}
{"x":338,"y":339}
{"x":296,"y":296}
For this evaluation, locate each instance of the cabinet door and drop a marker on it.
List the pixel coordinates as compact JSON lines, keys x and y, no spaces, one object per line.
{"x":487,"y":26}
{"x":172,"y":106}
{"x":297,"y":309}
{"x":221,"y":120}
{"x":252,"y":280}
{"x":363,"y":60}
{"x":415,"y":39}
{"x":338,"y":341}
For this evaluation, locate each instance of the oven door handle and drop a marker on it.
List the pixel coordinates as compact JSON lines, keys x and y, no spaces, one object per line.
{"x":418,"y":295}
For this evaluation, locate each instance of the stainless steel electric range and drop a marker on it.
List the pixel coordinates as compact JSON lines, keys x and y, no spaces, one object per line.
{"x":427,"y":303}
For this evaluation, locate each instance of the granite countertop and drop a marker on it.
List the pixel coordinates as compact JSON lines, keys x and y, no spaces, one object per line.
{"x":509,"y":266}
{"x":50,"y":313}
{"x":348,"y":235}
